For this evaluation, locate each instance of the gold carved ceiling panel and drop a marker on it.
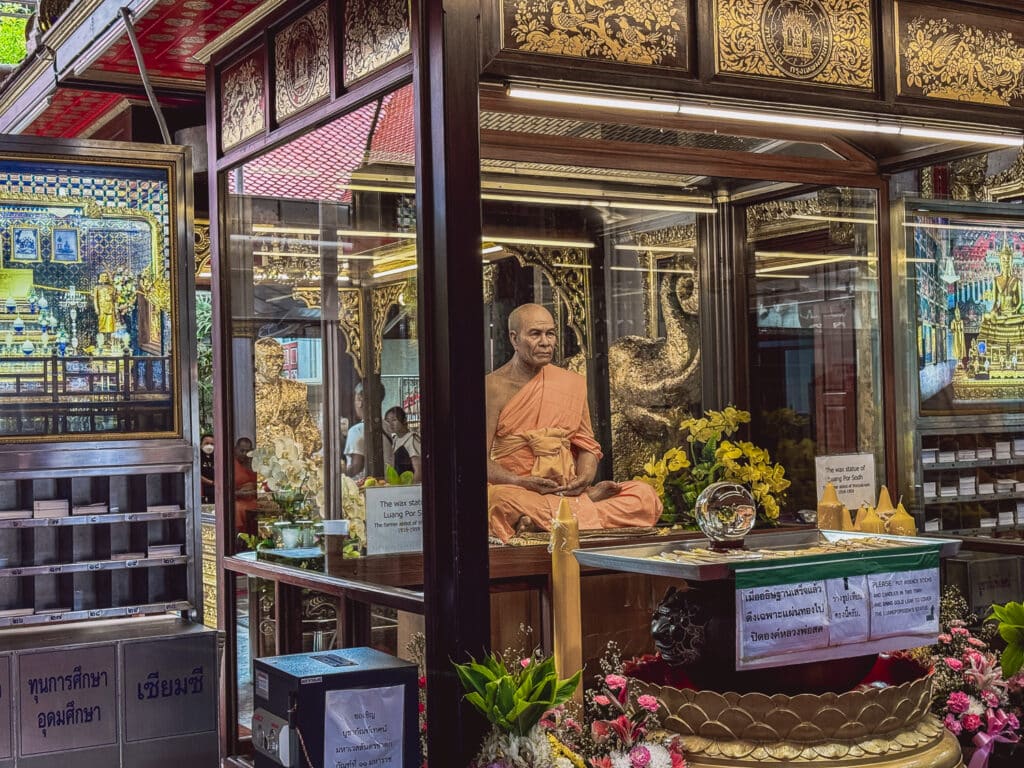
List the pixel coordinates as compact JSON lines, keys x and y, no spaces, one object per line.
{"x":243,"y":105}
{"x":302,"y":63}
{"x":959,"y":55}
{"x":376,"y":34}
{"x":647,"y":32}
{"x":823,"y":42}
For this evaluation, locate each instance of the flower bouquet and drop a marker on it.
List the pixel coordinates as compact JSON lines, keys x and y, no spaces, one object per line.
{"x":514,"y":696}
{"x":293,"y":477}
{"x":708,"y":457}
{"x":971,"y":696}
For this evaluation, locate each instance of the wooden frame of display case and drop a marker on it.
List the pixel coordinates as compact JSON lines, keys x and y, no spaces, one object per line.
{"x":131,"y":472}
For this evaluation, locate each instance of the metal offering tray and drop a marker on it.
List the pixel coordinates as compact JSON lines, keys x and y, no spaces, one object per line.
{"x":708,"y":565}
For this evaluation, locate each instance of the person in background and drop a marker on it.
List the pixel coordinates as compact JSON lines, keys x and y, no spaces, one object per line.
{"x":404,"y":443}
{"x":355,"y":445}
{"x":206,"y":468}
{"x":246,"y":504}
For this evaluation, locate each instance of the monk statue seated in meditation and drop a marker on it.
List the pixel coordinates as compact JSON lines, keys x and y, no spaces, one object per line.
{"x":541,"y":445}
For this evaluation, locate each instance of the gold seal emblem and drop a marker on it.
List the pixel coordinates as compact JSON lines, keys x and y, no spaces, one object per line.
{"x":797,"y":36}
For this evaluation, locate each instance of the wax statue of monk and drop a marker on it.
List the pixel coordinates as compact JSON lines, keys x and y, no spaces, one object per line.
{"x":541,"y":445}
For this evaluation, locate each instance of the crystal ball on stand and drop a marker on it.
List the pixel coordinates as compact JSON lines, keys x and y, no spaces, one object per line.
{"x":725,"y":513}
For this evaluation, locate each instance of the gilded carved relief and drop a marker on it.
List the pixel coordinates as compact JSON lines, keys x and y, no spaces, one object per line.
{"x":829,"y":42}
{"x":350,"y":320}
{"x":942,"y":59}
{"x":376,"y":34}
{"x":655,"y":381}
{"x":201,"y":239}
{"x":302,"y":63}
{"x":651,"y":32}
{"x":383,"y":298}
{"x":243,"y":108}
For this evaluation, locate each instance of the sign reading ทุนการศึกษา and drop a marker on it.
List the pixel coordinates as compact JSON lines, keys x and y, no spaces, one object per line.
{"x":845,"y":607}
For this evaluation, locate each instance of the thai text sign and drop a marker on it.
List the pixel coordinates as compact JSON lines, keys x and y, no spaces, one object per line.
{"x":68,"y":699}
{"x":394,"y":519}
{"x":363,"y":728}
{"x":836,"y":607}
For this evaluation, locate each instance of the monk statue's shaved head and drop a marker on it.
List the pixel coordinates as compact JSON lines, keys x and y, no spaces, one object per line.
{"x":523,"y":312}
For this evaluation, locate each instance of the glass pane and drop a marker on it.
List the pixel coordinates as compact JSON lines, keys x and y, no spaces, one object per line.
{"x":322,"y":248}
{"x":812,"y":262}
{"x":87,"y":326}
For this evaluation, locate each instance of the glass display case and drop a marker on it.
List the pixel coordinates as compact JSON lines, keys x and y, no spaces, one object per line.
{"x":87,"y":318}
{"x":959,"y":291}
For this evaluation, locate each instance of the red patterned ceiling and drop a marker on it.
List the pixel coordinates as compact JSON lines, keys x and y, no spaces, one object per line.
{"x":316,"y":166}
{"x":72,"y":112}
{"x":171,"y":33}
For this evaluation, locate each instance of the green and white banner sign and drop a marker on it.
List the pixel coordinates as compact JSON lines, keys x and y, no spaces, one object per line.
{"x":826,"y":607}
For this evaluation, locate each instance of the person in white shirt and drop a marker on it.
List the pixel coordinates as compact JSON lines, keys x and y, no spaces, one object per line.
{"x":404,"y":443}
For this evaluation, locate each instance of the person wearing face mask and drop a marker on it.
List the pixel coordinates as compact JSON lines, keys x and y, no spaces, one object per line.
{"x":206,"y":468}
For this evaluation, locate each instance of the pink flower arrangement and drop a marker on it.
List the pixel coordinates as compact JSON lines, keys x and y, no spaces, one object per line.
{"x":971,"y":696}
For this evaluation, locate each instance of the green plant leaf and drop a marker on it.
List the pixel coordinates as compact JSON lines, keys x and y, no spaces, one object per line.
{"x":1012,"y":660}
{"x":1012,"y":634}
{"x":565,"y":689}
{"x":406,"y":478}
{"x":391,"y":475}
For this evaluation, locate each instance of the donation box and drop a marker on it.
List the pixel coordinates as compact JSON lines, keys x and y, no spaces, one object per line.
{"x":350,"y":708}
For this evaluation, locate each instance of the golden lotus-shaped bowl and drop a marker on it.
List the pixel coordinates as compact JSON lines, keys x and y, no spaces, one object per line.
{"x":889,"y":726}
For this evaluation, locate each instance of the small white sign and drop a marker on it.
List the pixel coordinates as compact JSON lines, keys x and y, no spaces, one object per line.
{"x":364,"y":727}
{"x":853,"y":475}
{"x":849,"y":610}
{"x":394,"y":519}
{"x":904,"y":603}
{"x":782,"y":619}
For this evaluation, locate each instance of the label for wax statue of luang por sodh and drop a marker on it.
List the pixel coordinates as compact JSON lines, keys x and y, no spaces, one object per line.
{"x":795,"y":613}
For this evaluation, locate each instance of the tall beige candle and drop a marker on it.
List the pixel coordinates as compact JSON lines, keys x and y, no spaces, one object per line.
{"x":565,"y":588}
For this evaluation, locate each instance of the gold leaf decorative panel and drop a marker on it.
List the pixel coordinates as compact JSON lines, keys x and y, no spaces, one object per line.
{"x":648,"y":32}
{"x":376,"y":34}
{"x":826,"y":42}
{"x":959,"y":56}
{"x":243,"y":107}
{"x":302,"y":63}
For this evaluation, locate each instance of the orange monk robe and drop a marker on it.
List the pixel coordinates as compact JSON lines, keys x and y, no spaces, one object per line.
{"x":539,"y":433}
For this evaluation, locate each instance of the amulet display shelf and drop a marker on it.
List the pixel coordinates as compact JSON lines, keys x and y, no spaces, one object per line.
{"x":102,"y":653}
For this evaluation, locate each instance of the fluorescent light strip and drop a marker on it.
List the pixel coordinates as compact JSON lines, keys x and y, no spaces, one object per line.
{"x":783,"y":277}
{"x":656,"y":269}
{"x":810,"y":256}
{"x":571,"y":266}
{"x":986,"y":227}
{"x":764,"y":118}
{"x":377,"y":235}
{"x":286,"y":254}
{"x":395,"y":271}
{"x":285,"y":230}
{"x":377,"y":188}
{"x":585,"y":244}
{"x":491,"y":249}
{"x":840,"y":219}
{"x":597,"y":203}
{"x":655,"y":248}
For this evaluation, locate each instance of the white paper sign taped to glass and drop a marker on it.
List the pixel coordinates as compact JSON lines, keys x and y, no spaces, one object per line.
{"x":820,"y":607}
{"x":852,"y":474}
{"x":363,"y":727}
{"x":394,"y":519}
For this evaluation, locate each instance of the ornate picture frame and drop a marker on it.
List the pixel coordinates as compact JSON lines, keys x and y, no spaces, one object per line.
{"x":64,"y":246}
{"x":25,"y":244}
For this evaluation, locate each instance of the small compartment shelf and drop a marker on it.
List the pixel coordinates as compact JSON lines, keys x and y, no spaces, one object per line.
{"x":77,"y":567}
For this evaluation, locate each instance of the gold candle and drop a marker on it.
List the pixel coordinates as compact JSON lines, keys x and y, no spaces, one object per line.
{"x":830,"y":509}
{"x":901,"y":523}
{"x":565,"y":588}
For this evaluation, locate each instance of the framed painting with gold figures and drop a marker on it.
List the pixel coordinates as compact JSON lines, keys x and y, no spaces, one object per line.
{"x":98,"y":247}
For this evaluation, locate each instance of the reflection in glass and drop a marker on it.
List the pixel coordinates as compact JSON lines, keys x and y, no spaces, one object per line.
{"x":323,"y":282}
{"x":87,"y":319}
{"x":815,"y":381}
